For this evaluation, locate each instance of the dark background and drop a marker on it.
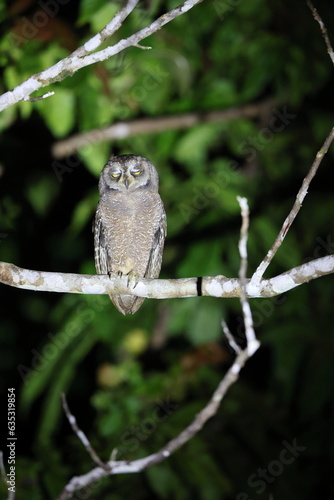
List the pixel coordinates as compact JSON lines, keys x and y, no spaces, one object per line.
{"x":119,"y":373}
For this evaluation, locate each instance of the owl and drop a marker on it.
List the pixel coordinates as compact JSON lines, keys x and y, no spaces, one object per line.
{"x":130,"y":224}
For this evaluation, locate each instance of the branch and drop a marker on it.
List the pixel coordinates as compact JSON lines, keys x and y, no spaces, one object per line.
{"x":82,"y":57}
{"x":135,"y":466}
{"x":210,"y":286}
{"x":294,"y":211}
{"x":252,"y":343}
{"x":107,"y":31}
{"x":306,"y":182}
{"x":154,"y":125}
{"x":323,"y":30}
{"x":114,"y":467}
{"x":83,"y":438}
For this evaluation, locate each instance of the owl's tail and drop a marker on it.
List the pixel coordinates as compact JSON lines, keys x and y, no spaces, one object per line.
{"x":126,"y":304}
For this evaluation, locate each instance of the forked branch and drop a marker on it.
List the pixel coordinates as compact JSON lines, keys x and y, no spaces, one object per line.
{"x":295,"y":209}
{"x":114,"y":467}
{"x":214,"y":286}
{"x":84,"y":56}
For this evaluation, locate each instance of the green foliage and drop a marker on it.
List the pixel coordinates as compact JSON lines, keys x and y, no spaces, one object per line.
{"x":59,"y":113}
{"x":135,"y":382}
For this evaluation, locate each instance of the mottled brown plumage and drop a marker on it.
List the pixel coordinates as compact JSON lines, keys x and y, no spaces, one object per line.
{"x":130,"y":224}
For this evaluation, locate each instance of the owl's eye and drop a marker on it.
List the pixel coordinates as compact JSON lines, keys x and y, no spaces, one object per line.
{"x":115,"y":175}
{"x":136,"y":172}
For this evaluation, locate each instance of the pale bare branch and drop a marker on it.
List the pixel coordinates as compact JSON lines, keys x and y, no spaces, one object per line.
{"x":82,"y":436}
{"x":252,"y":342}
{"x":294,"y":211}
{"x":211,"y":286}
{"x":83,"y":57}
{"x":323,"y":30}
{"x":210,"y":409}
{"x":107,"y":31}
{"x":135,"y":466}
{"x":230,"y":337}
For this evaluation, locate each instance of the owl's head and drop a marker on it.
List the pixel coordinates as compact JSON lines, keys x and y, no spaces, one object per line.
{"x":128,"y":173}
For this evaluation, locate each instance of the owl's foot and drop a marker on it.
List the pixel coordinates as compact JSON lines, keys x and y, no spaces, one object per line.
{"x":113,"y":274}
{"x":133,"y":280}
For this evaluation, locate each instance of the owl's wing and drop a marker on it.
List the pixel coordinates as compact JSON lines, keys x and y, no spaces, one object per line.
{"x":102,"y":259}
{"x":155,"y":259}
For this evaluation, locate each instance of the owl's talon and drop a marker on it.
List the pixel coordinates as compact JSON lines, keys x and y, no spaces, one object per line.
{"x":133,"y":280}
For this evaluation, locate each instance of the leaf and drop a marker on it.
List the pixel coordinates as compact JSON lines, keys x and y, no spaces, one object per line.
{"x":58,"y":111}
{"x":83,"y":212}
{"x":315,"y":395}
{"x":7,"y":117}
{"x":204,"y":325}
{"x":102,"y":16}
{"x":202,"y":260}
{"x":41,"y":194}
{"x":64,"y":374}
{"x":164,"y":482}
{"x":95,"y":156}
{"x":194,"y":145}
{"x":91,"y":11}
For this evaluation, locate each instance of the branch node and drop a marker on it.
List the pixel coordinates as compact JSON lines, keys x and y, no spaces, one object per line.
{"x":142,"y":47}
{"x":38,"y":98}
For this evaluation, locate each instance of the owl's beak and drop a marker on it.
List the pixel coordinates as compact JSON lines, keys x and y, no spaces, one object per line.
{"x":127,"y":181}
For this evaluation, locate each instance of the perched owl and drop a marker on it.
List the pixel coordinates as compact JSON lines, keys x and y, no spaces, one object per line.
{"x":130,"y":224}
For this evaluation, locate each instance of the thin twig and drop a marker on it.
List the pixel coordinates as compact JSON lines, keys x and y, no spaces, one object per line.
{"x":82,"y":436}
{"x":39,"y":98}
{"x":323,"y":29}
{"x":230,"y":337}
{"x":256,"y":278}
{"x":252,"y":342}
{"x":306,"y":182}
{"x":107,"y":31}
{"x":142,"y":47}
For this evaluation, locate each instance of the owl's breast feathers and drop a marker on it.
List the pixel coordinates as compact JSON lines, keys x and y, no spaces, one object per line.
{"x":130,"y":226}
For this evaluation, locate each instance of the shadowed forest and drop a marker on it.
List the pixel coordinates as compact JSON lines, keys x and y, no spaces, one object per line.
{"x":135,"y":382}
